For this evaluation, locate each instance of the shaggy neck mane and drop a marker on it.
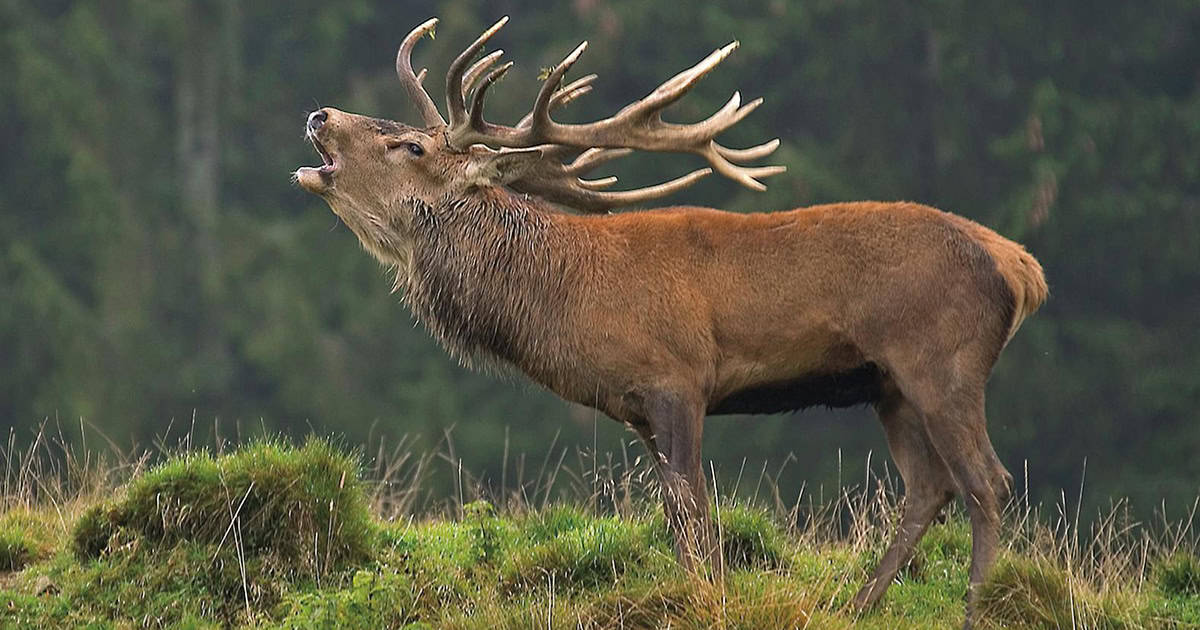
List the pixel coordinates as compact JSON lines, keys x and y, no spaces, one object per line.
{"x":486,"y":280}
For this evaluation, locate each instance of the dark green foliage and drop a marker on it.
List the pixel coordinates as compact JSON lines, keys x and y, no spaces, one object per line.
{"x":304,"y":505}
{"x":1179,"y":575}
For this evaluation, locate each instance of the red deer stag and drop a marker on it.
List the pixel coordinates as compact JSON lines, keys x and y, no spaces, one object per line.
{"x":658,"y":318}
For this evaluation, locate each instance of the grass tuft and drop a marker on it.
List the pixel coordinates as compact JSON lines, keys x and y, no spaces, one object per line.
{"x":576,"y":552}
{"x":305,"y":505}
{"x":93,"y":530}
{"x":1178,"y":575}
{"x":15,"y":550}
{"x":750,"y":538}
{"x":1028,"y":593}
{"x":24,"y":538}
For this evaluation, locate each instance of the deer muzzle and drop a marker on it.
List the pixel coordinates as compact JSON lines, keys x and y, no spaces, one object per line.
{"x":317,"y":179}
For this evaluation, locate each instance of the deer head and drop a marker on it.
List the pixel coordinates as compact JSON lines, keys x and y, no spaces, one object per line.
{"x":375,"y":170}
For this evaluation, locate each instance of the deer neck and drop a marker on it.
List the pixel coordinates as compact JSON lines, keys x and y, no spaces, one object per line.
{"x":491,"y":277}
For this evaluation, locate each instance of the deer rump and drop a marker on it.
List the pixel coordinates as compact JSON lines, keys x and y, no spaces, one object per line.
{"x":872,"y":300}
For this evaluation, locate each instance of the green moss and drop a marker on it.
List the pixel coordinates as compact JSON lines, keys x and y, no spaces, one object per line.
{"x":303,"y":504}
{"x":441,"y":557}
{"x":187,"y":580}
{"x":1173,"y":612}
{"x":446,"y":544}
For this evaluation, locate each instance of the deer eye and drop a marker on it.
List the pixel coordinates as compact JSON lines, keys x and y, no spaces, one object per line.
{"x":412,"y":147}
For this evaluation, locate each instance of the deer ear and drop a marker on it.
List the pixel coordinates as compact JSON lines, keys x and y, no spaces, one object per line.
{"x":491,"y":166}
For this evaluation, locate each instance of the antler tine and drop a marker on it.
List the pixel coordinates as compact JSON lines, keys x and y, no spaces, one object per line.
{"x":596,"y":184}
{"x":592,"y":158}
{"x":476,"y":130}
{"x":744,"y":175}
{"x":562,"y":96}
{"x":455,"y":98}
{"x":576,"y":194}
{"x":722,"y":158}
{"x":479,"y":69}
{"x":476,"y":115}
{"x":674,"y":88}
{"x":411,"y":81}
{"x":539,"y":116}
{"x":638,"y":124}
{"x":479,"y":130}
{"x":750,"y":153}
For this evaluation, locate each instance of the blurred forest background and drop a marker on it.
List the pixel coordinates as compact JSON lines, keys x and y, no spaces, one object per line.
{"x":158,"y":268}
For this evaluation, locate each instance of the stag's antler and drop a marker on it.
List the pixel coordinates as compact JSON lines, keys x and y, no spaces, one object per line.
{"x":638,"y":126}
{"x":412,"y":81}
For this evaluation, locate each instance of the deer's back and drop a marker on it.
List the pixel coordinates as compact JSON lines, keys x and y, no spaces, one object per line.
{"x":788,"y":309}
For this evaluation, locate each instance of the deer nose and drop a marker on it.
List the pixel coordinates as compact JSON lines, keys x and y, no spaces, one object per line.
{"x":316,"y":119}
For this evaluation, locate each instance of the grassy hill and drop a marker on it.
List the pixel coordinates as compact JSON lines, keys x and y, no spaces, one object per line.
{"x":280,"y":536}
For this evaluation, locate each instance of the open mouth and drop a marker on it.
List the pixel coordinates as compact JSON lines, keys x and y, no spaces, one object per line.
{"x":317,"y":179}
{"x":328,"y":166}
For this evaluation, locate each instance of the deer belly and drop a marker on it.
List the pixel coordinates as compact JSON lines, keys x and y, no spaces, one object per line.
{"x":846,"y":388}
{"x":810,"y":369}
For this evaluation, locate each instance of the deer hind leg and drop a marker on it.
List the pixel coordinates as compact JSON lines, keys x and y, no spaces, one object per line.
{"x":672,"y":432}
{"x":956,"y":426}
{"x":928,"y":486}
